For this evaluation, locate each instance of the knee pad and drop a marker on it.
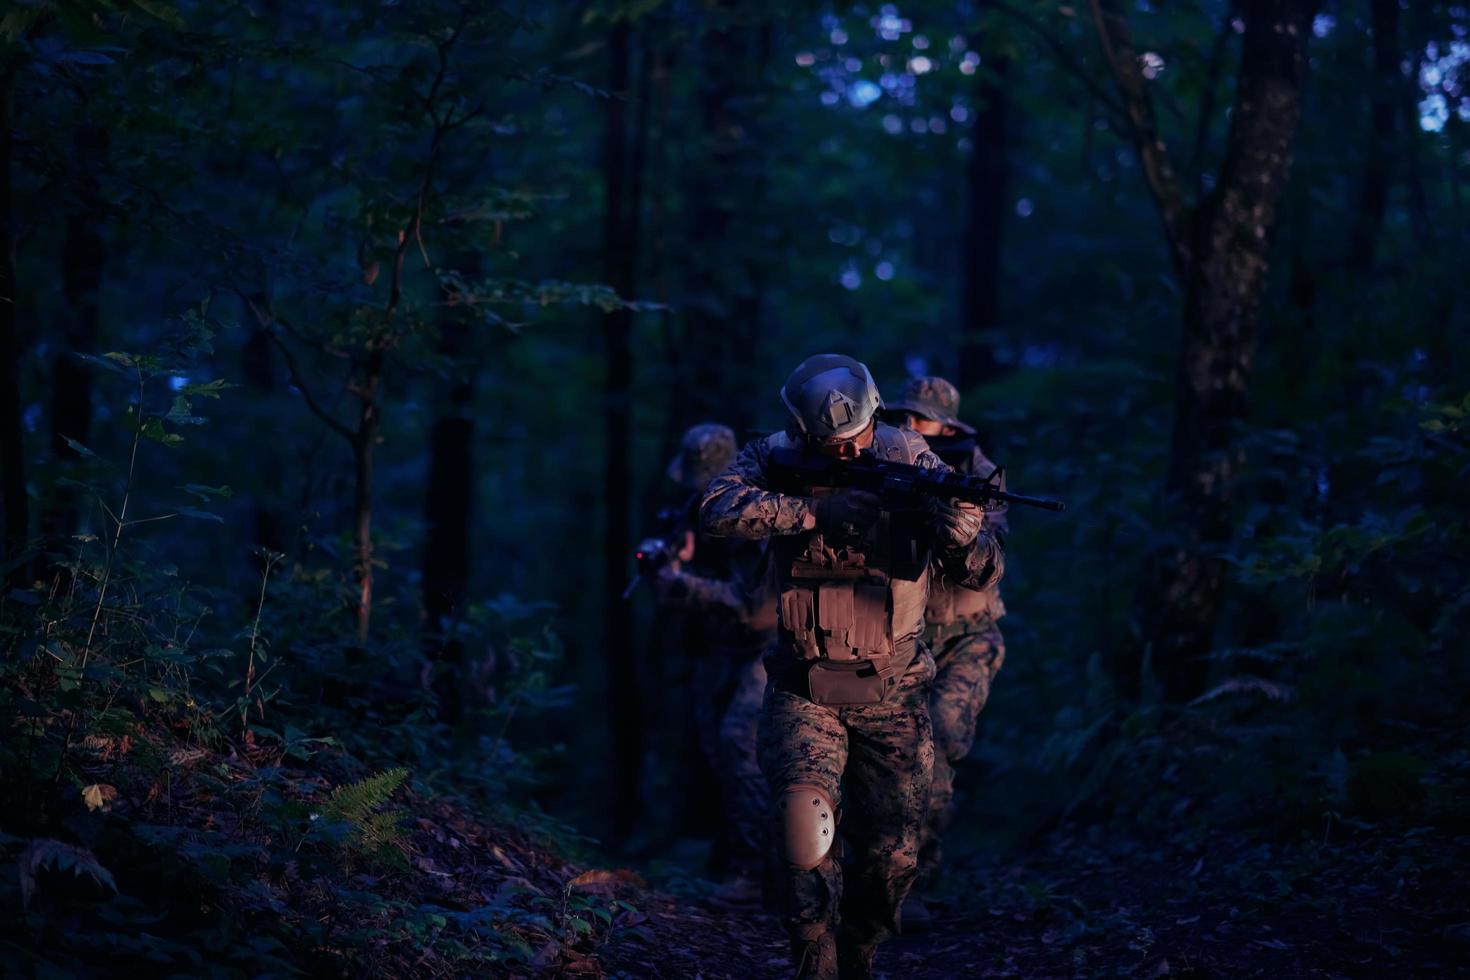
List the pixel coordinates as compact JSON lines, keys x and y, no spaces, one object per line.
{"x":808,"y":825}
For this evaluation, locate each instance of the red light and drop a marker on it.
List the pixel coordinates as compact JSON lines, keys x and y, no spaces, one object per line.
{"x":638,"y":554}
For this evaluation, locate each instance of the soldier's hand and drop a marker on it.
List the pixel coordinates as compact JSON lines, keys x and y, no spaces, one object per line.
{"x":668,"y":582}
{"x":847,"y":511}
{"x":686,"y":551}
{"x":956,"y":522}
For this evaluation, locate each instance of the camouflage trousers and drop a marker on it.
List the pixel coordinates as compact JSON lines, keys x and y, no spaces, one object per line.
{"x":965,"y":665}
{"x":875,"y":762}
{"x":742,"y":785}
{"x":727,"y":707}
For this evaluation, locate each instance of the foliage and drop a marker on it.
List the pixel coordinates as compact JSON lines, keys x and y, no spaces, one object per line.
{"x":296,"y":200}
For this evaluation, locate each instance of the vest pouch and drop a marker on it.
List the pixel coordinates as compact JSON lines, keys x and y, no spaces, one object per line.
{"x":798,"y":616}
{"x":845,"y":682}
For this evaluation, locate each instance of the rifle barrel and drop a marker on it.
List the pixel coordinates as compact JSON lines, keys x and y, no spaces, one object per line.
{"x":1021,"y":498}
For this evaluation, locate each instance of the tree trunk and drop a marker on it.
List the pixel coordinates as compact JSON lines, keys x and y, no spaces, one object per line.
{"x":985,"y":227}
{"x":1221,"y":247}
{"x":83,"y":256}
{"x":1229,"y":264}
{"x":722,"y":300}
{"x":15,"y":529}
{"x":1378,"y":168}
{"x":364,"y":442}
{"x":619,"y":251}
{"x":269,"y":527}
{"x":448,"y":508}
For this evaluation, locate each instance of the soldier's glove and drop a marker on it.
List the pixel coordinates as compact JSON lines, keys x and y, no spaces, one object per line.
{"x":847,"y":512}
{"x":956,"y":522}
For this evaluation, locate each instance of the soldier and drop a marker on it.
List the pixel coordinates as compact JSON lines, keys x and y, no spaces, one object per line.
{"x":711,"y":593}
{"x":847,"y":700}
{"x":960,"y":624}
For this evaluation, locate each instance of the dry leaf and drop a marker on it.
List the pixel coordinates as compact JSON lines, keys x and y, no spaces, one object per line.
{"x":605,"y":881}
{"x":99,"y":796}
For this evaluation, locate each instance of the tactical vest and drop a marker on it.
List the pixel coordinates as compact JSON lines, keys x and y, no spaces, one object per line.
{"x":949,"y":605}
{"x":856,"y":601}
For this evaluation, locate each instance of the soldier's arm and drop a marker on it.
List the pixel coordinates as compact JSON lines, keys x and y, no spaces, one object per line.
{"x":738,"y":503}
{"x":682,"y":587}
{"x":982,"y":562}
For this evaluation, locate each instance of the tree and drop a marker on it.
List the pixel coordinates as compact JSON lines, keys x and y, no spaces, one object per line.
{"x":1219,"y":246}
{"x":448,"y":497}
{"x":724,"y":290}
{"x":622,"y":190}
{"x":15,"y":528}
{"x":1381,"y":143}
{"x":83,"y":255}
{"x":985,"y":225}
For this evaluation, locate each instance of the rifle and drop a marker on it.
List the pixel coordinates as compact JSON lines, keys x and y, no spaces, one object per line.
{"x":889,"y":479}
{"x":657,"y":550}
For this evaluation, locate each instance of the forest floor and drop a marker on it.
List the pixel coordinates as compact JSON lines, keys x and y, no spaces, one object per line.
{"x":1090,"y":904}
{"x":201,"y":875}
{"x":193,"y":861}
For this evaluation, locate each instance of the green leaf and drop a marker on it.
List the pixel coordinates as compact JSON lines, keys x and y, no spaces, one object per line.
{"x":153,"y":429}
{"x":79,"y":449}
{"x":109,"y":363}
{"x":206,"y":493}
{"x":84,"y":58}
{"x":201,"y":515}
{"x":209,"y":389}
{"x":182,"y":414}
{"x":164,"y":12}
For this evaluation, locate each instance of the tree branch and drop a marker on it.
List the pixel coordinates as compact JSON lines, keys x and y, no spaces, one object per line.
{"x":1064,"y":58}
{"x":268,"y":323}
{"x":1196,"y":166}
{"x":1112,"y":31}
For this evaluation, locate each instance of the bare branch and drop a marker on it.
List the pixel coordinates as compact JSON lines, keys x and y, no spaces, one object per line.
{"x":1064,"y":59}
{"x":1112,"y":31}
{"x":268,"y":323}
{"x":1196,"y":166}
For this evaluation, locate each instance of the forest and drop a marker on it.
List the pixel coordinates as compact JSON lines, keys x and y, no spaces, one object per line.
{"x":345,"y":346}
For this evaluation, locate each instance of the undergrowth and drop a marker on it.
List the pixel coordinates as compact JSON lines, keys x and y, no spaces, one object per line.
{"x":263,"y":796}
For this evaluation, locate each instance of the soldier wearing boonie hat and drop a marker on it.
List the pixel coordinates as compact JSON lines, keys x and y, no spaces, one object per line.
{"x":960,"y":625}
{"x":714,"y":608}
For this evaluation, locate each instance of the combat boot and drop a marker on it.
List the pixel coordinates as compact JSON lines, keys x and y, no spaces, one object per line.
{"x":855,"y":960}
{"x":815,"y":952}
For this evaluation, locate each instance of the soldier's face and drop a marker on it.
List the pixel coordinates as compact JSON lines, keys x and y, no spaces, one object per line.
{"x":926,"y":427}
{"x":850,"y":448}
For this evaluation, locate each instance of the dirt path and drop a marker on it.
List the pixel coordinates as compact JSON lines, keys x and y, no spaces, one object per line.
{"x":1373,"y":906}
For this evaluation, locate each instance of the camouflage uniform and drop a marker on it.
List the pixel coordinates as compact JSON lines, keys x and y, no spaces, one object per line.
{"x":960,"y":625}
{"x":876,"y":758}
{"x":727,"y":619}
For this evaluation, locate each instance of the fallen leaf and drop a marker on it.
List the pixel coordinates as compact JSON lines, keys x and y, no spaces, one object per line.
{"x":99,"y":796}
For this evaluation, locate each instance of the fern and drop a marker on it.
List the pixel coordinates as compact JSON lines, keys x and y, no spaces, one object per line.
{"x":372,"y":830}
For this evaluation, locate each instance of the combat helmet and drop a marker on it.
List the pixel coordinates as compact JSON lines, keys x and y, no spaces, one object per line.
{"x":932,"y":398}
{"x":704,"y":452}
{"x":831,"y":396}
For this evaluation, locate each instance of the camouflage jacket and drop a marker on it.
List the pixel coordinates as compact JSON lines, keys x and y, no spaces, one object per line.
{"x":949,"y":603}
{"x":733,"y":588}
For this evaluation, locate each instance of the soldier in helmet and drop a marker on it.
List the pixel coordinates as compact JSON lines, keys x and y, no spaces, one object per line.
{"x":960,"y":624}
{"x":714,"y":607}
{"x":845,"y":725}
